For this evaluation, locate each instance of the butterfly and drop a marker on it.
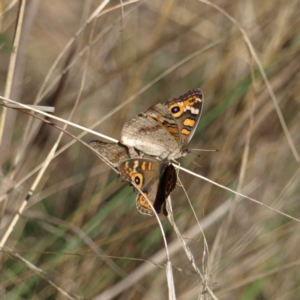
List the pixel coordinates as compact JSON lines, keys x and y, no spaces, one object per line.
{"x":156,"y":179}
{"x":164,"y":130}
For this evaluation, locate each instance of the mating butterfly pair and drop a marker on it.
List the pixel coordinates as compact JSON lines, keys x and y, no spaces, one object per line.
{"x":162,"y":131}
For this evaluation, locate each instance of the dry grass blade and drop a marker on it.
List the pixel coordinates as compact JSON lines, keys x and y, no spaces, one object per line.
{"x":264,"y":76}
{"x":170,"y":280}
{"x":82,"y":227}
{"x":173,"y":247}
{"x":31,"y":108}
{"x":38,"y":107}
{"x":12,"y":64}
{"x":181,"y":240}
{"x":40,"y":272}
{"x":239,"y":194}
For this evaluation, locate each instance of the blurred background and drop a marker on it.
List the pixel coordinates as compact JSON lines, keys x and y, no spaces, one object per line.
{"x":81,"y":227}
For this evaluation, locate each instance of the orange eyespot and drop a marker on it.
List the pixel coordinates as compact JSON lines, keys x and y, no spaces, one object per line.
{"x":137,"y":178}
{"x":143,"y":202}
{"x":176,"y":110}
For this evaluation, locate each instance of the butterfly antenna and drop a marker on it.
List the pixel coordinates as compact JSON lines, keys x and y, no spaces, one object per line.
{"x":205,"y":150}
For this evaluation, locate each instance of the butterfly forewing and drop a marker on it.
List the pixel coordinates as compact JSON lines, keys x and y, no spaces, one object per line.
{"x":164,"y":130}
{"x":186,"y":111}
{"x":148,"y":135}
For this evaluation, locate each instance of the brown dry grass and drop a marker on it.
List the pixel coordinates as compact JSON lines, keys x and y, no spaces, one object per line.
{"x":80,"y":227}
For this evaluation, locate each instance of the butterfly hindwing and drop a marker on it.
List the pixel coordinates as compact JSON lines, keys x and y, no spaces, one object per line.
{"x":150,"y":176}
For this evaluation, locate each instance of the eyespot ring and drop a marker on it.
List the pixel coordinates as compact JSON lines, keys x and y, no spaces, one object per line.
{"x":137,"y":179}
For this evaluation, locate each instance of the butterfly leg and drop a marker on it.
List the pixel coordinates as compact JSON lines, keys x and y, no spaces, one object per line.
{"x":134,"y":153}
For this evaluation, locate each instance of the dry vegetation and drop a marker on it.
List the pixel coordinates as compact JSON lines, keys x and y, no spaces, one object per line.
{"x":80,"y":230}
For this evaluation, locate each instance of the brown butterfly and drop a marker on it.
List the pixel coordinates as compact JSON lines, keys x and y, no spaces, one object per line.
{"x":156,"y":179}
{"x":164,"y":130}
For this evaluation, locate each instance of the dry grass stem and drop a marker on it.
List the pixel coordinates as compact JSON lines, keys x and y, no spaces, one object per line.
{"x":69,"y":226}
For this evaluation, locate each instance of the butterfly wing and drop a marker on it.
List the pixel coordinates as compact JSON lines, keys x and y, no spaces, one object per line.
{"x":166,"y":185}
{"x":164,"y":130}
{"x":147,"y":133}
{"x":150,"y":176}
{"x":114,"y":153}
{"x":186,"y":111}
{"x":161,"y":114}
